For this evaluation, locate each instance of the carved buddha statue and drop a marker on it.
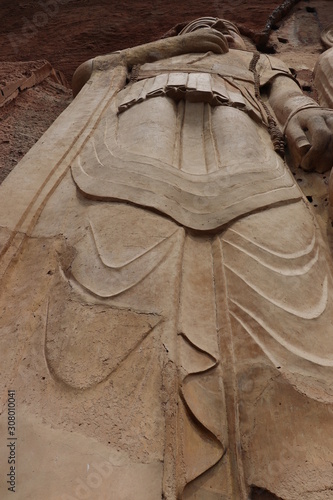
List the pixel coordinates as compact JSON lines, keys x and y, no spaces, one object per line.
{"x":184,"y":289}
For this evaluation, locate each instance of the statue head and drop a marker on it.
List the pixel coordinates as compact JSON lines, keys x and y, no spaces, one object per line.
{"x":227,"y":28}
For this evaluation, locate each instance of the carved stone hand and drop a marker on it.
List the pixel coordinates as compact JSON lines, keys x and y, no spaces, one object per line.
{"x":310,"y":139}
{"x":204,"y":40}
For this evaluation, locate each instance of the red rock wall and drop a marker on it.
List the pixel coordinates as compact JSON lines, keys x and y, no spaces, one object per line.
{"x":68,"y":32}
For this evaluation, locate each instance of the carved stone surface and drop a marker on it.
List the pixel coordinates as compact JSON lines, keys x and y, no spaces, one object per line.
{"x":323,"y":74}
{"x":175,"y":334}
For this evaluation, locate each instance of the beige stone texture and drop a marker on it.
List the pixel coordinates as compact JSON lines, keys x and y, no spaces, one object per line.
{"x":323,"y":73}
{"x":166,"y":290}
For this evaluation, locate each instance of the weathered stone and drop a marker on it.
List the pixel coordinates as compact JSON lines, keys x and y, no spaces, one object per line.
{"x":174,"y":287}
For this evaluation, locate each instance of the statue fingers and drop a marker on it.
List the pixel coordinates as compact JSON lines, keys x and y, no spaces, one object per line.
{"x":298,"y":142}
{"x":204,"y":40}
{"x":318,"y":160}
{"x":320,"y":155}
{"x":220,"y":39}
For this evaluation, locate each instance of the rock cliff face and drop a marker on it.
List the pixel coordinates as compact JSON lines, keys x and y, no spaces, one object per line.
{"x":32,"y":95}
{"x":67,"y":32}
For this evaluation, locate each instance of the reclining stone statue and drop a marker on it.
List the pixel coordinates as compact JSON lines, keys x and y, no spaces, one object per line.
{"x":176,"y":291}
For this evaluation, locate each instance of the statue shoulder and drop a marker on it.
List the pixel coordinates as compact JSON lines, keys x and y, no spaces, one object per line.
{"x":85,"y":71}
{"x":271,"y":66}
{"x":275,"y":63}
{"x":81,"y":76}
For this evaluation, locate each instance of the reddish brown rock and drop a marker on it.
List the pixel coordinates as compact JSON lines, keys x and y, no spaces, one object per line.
{"x":32,"y":95}
{"x":67,"y":33}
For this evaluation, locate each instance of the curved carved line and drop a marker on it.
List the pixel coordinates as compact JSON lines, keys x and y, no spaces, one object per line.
{"x":276,"y":172}
{"x":205,"y":428}
{"x":193,"y":416}
{"x":311,"y":313}
{"x":297,"y":271}
{"x":161,"y":167}
{"x":200,"y":424}
{"x":119,"y":153}
{"x":294,"y":350}
{"x":119,"y":292}
{"x":294,"y":255}
{"x":95,"y":151}
{"x":213,"y":359}
{"x":130,"y":261}
{"x":131,"y":155}
{"x":111,"y":290}
{"x":260,"y":199}
{"x":79,"y":290}
{"x":205,"y":471}
{"x":59,"y":380}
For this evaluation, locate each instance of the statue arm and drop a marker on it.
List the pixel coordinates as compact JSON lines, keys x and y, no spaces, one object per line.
{"x":308,"y":127}
{"x":199,"y":41}
{"x":202,"y":40}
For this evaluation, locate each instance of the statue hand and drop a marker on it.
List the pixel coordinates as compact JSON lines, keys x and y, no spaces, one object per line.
{"x":310,"y":139}
{"x":205,"y":40}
